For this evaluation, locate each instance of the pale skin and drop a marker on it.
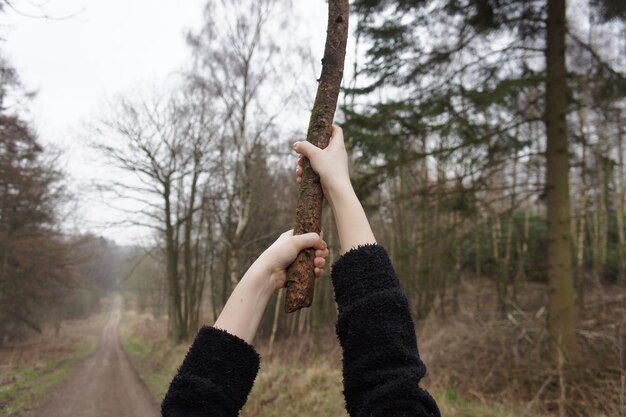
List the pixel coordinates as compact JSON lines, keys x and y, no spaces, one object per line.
{"x":244,"y":309}
{"x":331,"y":164}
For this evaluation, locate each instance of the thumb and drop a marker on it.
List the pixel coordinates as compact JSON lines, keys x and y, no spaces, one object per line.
{"x":336,"y":138}
{"x":307,"y":240}
{"x":306,"y":148}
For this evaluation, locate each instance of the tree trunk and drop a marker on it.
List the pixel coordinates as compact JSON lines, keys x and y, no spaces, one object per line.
{"x":173,"y":286}
{"x":510,"y":276}
{"x":619,"y":197}
{"x":599,"y":225}
{"x":188,"y":226}
{"x":478,"y":265}
{"x":561,"y":318}
{"x":274,"y":323}
{"x":233,"y":266}
{"x":301,"y":274}
{"x":582,"y":219}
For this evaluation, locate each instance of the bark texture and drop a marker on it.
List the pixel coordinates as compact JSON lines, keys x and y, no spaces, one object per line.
{"x":561,"y":319}
{"x":301,"y":274}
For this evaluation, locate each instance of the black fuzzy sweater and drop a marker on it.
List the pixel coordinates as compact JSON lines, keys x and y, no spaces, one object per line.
{"x":381,"y":363}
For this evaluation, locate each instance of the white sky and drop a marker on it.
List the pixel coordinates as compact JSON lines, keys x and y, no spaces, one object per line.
{"x":105,"y":48}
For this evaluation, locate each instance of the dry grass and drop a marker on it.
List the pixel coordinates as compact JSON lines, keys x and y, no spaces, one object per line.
{"x":481,"y":364}
{"x":283,"y":390}
{"x":505,"y":359}
{"x":32,"y":368}
{"x":155,"y":358}
{"x":291,"y":382}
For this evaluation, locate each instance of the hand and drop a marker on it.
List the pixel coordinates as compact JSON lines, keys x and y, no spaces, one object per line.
{"x":331,"y":163}
{"x":244,"y":308}
{"x":283,"y":252}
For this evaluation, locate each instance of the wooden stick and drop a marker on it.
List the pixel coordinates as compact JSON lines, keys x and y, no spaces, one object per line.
{"x":301,"y":274}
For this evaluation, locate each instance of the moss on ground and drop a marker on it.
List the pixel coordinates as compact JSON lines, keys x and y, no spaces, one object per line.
{"x":23,"y":387}
{"x":454,"y":404}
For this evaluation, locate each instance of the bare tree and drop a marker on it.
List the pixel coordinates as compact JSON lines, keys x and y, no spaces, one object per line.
{"x":234,"y":64}
{"x":165,"y":143}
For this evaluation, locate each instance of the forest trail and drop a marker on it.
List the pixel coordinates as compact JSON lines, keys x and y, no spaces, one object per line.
{"x":105,"y":384}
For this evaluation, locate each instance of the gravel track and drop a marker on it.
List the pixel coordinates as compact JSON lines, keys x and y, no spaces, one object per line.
{"x":105,"y":384}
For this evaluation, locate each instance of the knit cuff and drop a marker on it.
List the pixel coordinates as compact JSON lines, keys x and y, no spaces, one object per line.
{"x":217,"y":350}
{"x":218,"y":364}
{"x":362,"y":272}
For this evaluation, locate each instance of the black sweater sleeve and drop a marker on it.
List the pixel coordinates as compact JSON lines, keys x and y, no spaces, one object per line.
{"x":381,"y":363}
{"x":215,"y":378}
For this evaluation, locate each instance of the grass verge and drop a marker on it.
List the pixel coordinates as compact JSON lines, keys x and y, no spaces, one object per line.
{"x":451,"y":403}
{"x":156,"y":360}
{"x":24,"y":386}
{"x":280,"y":389}
{"x":317,"y":391}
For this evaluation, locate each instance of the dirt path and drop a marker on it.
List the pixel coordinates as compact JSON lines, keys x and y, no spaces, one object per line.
{"x":105,"y":384}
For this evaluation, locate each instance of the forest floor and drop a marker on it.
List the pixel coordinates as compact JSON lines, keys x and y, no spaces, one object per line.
{"x":481,"y":362}
{"x":315,"y":388}
{"x":502,"y":356}
{"x":32,"y":368}
{"x":103,"y":385}
{"x":81,"y":370}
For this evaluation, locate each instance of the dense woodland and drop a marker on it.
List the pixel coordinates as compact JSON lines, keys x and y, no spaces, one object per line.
{"x":46,"y":273}
{"x":486,"y":142}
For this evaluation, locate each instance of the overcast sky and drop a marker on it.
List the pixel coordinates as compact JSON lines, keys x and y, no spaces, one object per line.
{"x":91,"y":50}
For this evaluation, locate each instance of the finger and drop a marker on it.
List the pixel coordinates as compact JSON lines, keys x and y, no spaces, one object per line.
{"x":319,"y":272}
{"x":301,"y":160}
{"x":306,"y":148}
{"x":321,"y":253}
{"x":336,"y":139}
{"x":321,"y":245}
{"x":319,"y":262}
{"x":299,"y":171}
{"x":286,"y":234}
{"x":307,"y":240}
{"x":298,"y":180}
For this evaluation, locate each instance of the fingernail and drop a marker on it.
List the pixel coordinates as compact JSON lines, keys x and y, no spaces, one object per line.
{"x":295,"y":144}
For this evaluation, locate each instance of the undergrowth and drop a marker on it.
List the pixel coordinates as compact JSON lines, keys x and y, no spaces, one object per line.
{"x":504,"y":357}
{"x":288,"y":384}
{"x":24,"y":384}
{"x":153,"y":356}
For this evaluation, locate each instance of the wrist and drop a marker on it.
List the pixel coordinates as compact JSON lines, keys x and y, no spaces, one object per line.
{"x":259,"y":278}
{"x":341,"y":196}
{"x":338,"y":191}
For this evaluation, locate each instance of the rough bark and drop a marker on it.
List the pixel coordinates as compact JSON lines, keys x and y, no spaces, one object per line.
{"x":582,"y":219}
{"x":619,"y":197}
{"x":561,"y":318}
{"x":175,"y":325}
{"x":301,"y":274}
{"x":599,"y":224}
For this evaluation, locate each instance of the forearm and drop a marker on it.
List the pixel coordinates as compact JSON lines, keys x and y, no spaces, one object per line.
{"x":381,"y":363}
{"x":352,"y":224}
{"x":217,"y":373}
{"x":244,"y":309}
{"x":215,"y":377}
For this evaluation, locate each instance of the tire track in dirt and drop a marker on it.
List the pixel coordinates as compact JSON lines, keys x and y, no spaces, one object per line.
{"x":105,"y":384}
